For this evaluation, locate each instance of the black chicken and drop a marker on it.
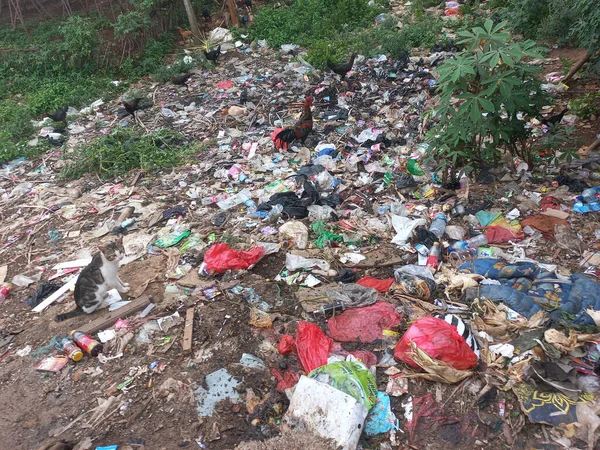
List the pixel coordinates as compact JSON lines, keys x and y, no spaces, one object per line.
{"x":555,"y":119}
{"x":206,"y":14}
{"x":132,"y":105}
{"x":60,"y":115}
{"x":181,"y":79}
{"x":248,"y":3}
{"x":213,"y":55}
{"x":343,"y":68}
{"x":243,"y":97}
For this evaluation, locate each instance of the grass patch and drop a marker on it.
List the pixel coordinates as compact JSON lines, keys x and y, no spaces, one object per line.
{"x":125,"y":149}
{"x":10,"y":150}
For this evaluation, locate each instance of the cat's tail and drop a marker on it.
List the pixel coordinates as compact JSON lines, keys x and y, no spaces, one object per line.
{"x":68,"y":315}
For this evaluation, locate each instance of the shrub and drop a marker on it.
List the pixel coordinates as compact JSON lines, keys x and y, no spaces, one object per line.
{"x":586,"y":106}
{"x":124,"y":149}
{"x":494,"y":85}
{"x":16,"y":122}
{"x":306,"y":21}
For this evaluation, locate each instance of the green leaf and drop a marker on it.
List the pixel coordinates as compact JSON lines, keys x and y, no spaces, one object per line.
{"x":486,"y":104}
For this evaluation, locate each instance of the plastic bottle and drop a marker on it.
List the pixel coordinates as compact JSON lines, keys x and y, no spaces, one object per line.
{"x":4,"y":291}
{"x":251,"y":205}
{"x":474,"y":242}
{"x":434,"y":256}
{"x":590,"y":195}
{"x":213,"y":199}
{"x":438,"y":224}
{"x":264,"y":215}
{"x":71,"y":349}
{"x":87,"y":343}
{"x":330,"y":308}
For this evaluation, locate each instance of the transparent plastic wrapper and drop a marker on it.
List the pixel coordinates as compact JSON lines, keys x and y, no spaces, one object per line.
{"x":295,"y":262}
{"x":317,"y":212}
{"x":296,"y":231}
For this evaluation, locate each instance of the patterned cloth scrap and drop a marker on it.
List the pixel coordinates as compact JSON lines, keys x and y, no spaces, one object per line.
{"x":526,"y":288}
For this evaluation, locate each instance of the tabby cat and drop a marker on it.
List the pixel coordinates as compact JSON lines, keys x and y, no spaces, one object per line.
{"x":97,"y":279}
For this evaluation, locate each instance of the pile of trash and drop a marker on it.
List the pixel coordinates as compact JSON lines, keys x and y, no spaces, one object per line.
{"x":336,"y":289}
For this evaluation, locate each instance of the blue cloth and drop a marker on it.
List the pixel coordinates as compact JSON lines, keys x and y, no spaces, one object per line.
{"x":523,"y":289}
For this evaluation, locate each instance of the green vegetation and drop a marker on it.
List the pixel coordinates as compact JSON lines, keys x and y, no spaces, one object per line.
{"x":124,"y":149}
{"x":573,"y":22}
{"x":75,"y":61}
{"x":586,"y":106}
{"x":494,"y":84}
{"x":334,"y":31}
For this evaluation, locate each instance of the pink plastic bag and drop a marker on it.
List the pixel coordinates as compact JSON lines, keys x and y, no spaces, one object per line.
{"x":221,"y":258}
{"x":363,"y":324}
{"x":312,"y":346}
{"x":438,"y":339}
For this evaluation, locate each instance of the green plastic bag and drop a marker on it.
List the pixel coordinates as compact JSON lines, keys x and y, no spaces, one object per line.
{"x":350,"y":377}
{"x":172,"y":238}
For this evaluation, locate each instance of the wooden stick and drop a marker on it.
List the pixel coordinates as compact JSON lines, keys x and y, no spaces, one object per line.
{"x":107,"y":320}
{"x":135,"y":180}
{"x":578,"y":65}
{"x":188,"y":330}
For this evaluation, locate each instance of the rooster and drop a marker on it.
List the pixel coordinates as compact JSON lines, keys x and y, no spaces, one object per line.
{"x":185,"y":34}
{"x":282,"y":137}
{"x":131,"y":106}
{"x":60,"y":115}
{"x":343,"y":68}
{"x":555,"y":119}
{"x":181,"y":79}
{"x":213,"y":55}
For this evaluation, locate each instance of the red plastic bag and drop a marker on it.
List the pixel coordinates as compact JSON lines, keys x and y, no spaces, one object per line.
{"x":363,"y":324}
{"x":376,"y":283}
{"x":220,"y":258}
{"x":438,"y":339}
{"x":312,"y":346}
{"x":285,"y":378}
{"x":286,"y":345}
{"x":499,"y":235}
{"x":227,"y":84}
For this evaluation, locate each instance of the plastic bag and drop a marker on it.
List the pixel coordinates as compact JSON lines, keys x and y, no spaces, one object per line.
{"x":295,"y":231}
{"x":381,"y":419}
{"x":376,"y":283}
{"x":363,"y":324}
{"x":286,"y":345}
{"x":439,"y":340}
{"x":221,"y":258}
{"x":312,"y":346}
{"x":295,"y":262}
{"x":353,"y":378}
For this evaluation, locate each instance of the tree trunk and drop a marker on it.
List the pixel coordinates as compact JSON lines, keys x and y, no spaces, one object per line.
{"x":192,"y":19}
{"x":578,"y":65}
{"x":233,"y":13}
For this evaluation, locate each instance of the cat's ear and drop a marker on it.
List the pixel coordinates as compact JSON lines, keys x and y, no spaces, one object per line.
{"x":101,"y":248}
